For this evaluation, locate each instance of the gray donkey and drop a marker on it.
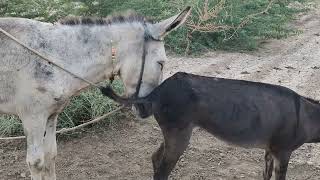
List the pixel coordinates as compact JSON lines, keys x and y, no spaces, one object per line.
{"x":37,"y":91}
{"x":243,"y":113}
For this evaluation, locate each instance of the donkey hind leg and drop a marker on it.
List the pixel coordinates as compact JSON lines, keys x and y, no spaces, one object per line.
{"x":50,"y":147}
{"x":175,"y":142}
{"x":267,"y":173}
{"x":281,"y":164}
{"x":34,"y":128}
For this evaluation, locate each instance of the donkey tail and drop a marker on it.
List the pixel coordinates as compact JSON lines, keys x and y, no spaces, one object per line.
{"x":108,"y":91}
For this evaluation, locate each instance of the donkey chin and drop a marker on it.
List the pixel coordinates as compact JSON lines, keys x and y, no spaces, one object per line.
{"x":142,"y":111}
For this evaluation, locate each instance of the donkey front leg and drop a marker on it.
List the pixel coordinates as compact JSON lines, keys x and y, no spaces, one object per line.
{"x":175,"y":142}
{"x":157,"y":157}
{"x":267,"y":173}
{"x":50,"y":148}
{"x":281,"y":159}
{"x":34,"y":129}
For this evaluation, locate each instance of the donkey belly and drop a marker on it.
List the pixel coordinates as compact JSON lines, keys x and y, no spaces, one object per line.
{"x":250,"y":139}
{"x":242,"y":125}
{"x":244,"y":135}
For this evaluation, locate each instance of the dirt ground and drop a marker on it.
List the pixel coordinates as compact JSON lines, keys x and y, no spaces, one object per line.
{"x":124,"y":151}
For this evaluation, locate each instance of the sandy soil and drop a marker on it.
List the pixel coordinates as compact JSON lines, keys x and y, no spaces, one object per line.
{"x":124,"y":151}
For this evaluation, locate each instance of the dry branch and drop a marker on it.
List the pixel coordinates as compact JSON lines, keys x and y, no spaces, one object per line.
{"x":65,"y":130}
{"x":206,"y":13}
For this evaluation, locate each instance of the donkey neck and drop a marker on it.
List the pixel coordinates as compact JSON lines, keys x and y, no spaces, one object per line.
{"x":310,"y":112}
{"x":91,"y":57}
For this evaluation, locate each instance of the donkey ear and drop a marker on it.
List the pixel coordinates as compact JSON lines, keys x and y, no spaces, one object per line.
{"x":161,"y":29}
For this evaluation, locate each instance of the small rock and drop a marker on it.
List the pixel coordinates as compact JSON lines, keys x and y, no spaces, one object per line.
{"x":309,"y":163}
{"x":156,"y":128}
{"x":245,"y":72}
{"x":218,"y":72}
{"x":289,"y":67}
{"x":308,"y":155}
{"x":276,"y":68}
{"x":23,"y":175}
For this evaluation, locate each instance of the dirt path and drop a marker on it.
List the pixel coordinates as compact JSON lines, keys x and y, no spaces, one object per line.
{"x":124,"y":152}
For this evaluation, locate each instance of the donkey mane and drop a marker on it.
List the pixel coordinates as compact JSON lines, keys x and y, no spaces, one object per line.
{"x":312,"y":100}
{"x":128,"y":17}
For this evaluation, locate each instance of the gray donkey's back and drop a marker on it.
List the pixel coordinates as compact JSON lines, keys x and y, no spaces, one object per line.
{"x":19,"y":67}
{"x":25,"y":75}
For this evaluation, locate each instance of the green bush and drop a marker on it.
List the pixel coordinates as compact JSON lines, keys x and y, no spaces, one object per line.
{"x":272,"y":24}
{"x":86,"y":106}
{"x":9,"y":125}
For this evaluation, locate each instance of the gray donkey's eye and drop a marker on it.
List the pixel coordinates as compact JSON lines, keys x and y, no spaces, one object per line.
{"x":161,"y":65}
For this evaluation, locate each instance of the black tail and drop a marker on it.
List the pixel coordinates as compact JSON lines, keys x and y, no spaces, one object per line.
{"x":108,"y":91}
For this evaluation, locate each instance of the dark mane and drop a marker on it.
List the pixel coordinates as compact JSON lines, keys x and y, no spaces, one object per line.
{"x":129,"y":17}
{"x":312,"y":100}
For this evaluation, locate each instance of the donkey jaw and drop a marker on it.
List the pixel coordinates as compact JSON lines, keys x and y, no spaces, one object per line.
{"x":142,"y":111}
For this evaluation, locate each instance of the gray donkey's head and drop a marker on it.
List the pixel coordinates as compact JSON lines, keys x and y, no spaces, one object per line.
{"x":148,"y":49}
{"x":139,"y":47}
{"x":151,"y":47}
{"x":138,"y":44}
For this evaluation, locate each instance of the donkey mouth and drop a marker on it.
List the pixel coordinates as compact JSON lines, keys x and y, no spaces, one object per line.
{"x":144,"y":110}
